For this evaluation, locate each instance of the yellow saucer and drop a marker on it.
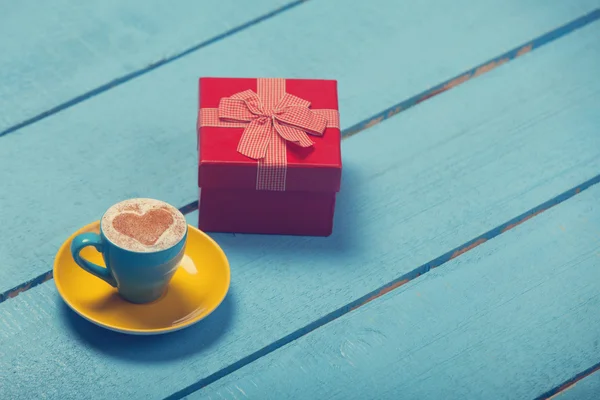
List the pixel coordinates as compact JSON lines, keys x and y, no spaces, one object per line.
{"x":198,"y":287}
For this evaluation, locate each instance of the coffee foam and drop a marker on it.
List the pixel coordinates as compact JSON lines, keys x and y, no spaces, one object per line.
{"x":138,"y":224}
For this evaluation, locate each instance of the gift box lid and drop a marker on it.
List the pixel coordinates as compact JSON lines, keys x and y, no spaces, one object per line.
{"x":221,"y":165}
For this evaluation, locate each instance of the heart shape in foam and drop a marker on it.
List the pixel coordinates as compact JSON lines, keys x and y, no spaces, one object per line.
{"x":146,"y":228}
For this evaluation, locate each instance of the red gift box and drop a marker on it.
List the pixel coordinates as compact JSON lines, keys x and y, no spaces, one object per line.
{"x":269,"y":155}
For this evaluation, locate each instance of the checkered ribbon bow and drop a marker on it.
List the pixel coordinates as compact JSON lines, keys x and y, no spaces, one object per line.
{"x":271,"y":118}
{"x":291,"y":119}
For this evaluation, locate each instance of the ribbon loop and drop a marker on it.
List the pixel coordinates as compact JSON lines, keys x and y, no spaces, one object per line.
{"x":293,"y":134}
{"x":289,"y":100}
{"x":304,"y":119}
{"x":251,"y":101}
{"x":234,"y":110}
{"x":255,"y":139}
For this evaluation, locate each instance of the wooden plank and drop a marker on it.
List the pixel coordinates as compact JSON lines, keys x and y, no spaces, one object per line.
{"x":422,"y":184}
{"x":149,"y":122}
{"x":509,"y":320}
{"x":55,"y":54}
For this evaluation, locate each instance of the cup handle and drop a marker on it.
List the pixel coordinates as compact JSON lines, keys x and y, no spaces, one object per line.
{"x":90,"y":239}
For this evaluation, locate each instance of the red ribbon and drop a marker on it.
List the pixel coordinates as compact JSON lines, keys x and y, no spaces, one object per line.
{"x":271,"y":118}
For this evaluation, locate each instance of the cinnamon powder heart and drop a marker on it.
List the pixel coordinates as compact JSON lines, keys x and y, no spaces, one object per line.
{"x":146,"y":228}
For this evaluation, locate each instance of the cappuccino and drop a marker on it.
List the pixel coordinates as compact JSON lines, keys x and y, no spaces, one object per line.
{"x":144,"y":225}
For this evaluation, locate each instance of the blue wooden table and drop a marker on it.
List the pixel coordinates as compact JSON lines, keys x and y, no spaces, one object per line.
{"x":465,"y":259}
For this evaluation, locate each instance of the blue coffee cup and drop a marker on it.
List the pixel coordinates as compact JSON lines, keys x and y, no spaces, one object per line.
{"x":140,"y":277}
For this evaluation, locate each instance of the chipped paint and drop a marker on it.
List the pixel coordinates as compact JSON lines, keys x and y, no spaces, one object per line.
{"x":394,"y":111}
{"x":524,"y":50}
{"x":490,"y":66}
{"x":429,"y":94}
{"x":374,"y":121}
{"x":475,"y":72}
{"x":562,"y":390}
{"x":527,"y":218}
{"x":14,"y":292}
{"x":446,"y":86}
{"x":468,"y":248}
{"x":568,"y":384}
{"x":457,"y":81}
{"x":383,"y":291}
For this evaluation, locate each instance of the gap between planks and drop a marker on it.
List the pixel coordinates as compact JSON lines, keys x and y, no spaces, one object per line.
{"x":346,"y":133}
{"x":135,"y":74}
{"x":375,"y":119}
{"x":390,"y":286}
{"x":556,"y":391}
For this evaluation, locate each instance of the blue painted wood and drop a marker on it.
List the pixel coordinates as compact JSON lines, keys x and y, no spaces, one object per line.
{"x":508,"y":320}
{"x":55,"y":54}
{"x":587,"y":388}
{"x":414,"y":187}
{"x":142,"y":133}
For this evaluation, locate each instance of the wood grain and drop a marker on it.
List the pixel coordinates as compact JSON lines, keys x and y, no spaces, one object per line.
{"x":508,"y":320}
{"x":138,"y":139}
{"x":414,"y":187}
{"x":56,"y":54}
